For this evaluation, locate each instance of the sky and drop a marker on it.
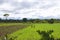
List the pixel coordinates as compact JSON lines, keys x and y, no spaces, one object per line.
{"x":18,"y":9}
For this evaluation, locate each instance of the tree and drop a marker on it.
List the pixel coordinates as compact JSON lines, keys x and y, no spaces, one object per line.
{"x":51,"y":21}
{"x":24,"y":20}
{"x":36,"y":20}
{"x":6,"y":15}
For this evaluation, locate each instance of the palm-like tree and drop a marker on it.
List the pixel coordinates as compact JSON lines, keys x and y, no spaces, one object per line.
{"x":6,"y":15}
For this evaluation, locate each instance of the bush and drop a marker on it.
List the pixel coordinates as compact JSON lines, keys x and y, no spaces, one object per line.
{"x":46,"y":35}
{"x":51,"y":21}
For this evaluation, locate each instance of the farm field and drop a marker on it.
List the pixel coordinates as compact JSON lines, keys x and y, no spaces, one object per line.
{"x":30,"y":33}
{"x":29,"y":19}
{"x":8,"y":28}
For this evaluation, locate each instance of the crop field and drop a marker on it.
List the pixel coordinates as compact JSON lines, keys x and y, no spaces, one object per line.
{"x":21,"y":32}
{"x":30,"y":33}
{"x":8,"y":28}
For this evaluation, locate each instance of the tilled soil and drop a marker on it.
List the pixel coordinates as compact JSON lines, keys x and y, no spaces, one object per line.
{"x":10,"y":29}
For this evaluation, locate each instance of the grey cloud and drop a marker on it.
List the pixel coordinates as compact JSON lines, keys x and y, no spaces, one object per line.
{"x":38,"y":16}
{"x":7,"y":11}
{"x":48,"y":6}
{"x":25,"y":12}
{"x":22,"y":5}
{"x":49,"y":17}
{"x":1,"y":1}
{"x":27,"y":5}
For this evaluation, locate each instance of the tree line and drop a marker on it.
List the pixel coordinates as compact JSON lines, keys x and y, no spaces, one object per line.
{"x":25,"y":20}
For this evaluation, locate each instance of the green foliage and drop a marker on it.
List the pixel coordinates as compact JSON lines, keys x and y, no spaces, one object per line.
{"x":24,"y":19}
{"x":46,"y":35}
{"x":51,"y":21}
{"x":6,"y":15}
{"x":30,"y":33}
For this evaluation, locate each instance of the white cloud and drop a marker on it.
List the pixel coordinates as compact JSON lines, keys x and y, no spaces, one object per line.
{"x":31,"y":8}
{"x":6,"y":6}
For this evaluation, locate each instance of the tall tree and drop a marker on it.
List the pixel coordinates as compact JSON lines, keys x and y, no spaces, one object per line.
{"x":24,"y":19}
{"x":51,"y":21}
{"x":6,"y":15}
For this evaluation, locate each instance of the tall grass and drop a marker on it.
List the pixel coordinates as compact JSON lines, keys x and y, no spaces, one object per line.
{"x":31,"y":34}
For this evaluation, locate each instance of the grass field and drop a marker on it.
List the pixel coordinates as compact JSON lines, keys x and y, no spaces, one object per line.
{"x":30,"y":33}
{"x":8,"y":28}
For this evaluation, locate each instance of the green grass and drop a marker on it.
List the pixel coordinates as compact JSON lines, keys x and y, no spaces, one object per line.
{"x":31,"y":34}
{"x":10,"y":28}
{"x":10,"y":24}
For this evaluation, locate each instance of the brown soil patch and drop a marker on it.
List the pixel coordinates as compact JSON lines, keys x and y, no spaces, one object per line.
{"x":10,"y":29}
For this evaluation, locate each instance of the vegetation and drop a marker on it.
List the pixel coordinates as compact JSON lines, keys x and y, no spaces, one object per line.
{"x":29,"y":29}
{"x":30,"y":33}
{"x":51,"y":21}
{"x":6,"y":15}
{"x":8,"y":28}
{"x":25,"y":20}
{"x":47,"y":35}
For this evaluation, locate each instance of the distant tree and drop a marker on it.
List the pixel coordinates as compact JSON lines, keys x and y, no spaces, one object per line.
{"x":6,"y":15}
{"x":0,"y":20}
{"x":31,"y":20}
{"x":24,"y":20}
{"x":36,"y":20}
{"x":51,"y":21}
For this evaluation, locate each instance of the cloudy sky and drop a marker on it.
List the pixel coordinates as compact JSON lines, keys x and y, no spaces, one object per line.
{"x":30,"y":8}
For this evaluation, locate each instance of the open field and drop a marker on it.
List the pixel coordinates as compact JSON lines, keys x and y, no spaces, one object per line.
{"x":8,"y":28}
{"x":31,"y":34}
{"x":20,"y":31}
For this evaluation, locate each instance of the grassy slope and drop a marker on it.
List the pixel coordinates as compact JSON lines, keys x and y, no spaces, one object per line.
{"x":31,"y":34}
